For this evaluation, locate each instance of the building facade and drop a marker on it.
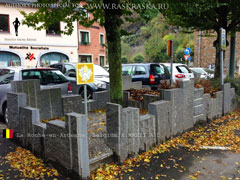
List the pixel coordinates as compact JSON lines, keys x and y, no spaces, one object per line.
{"x":92,"y":44}
{"x":208,"y":52}
{"x":22,"y":45}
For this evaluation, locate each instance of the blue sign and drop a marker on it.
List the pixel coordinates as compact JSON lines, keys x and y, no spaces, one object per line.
{"x":187,"y":51}
{"x":189,"y":59}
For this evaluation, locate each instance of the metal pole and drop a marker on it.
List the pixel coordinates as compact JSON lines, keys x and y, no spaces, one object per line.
{"x":172,"y":63}
{"x":222,"y":71}
{"x":85,"y":101}
{"x":199,"y":47}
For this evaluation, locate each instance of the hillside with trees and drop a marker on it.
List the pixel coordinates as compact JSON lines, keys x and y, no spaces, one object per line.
{"x":149,"y":40}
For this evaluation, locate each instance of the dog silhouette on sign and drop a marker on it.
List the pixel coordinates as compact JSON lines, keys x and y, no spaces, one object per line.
{"x":16,"y":24}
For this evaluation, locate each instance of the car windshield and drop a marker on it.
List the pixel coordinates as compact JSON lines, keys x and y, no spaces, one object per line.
{"x":6,"y":76}
{"x":46,"y":76}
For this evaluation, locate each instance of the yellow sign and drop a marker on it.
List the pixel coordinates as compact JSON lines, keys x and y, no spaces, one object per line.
{"x":85,"y":73}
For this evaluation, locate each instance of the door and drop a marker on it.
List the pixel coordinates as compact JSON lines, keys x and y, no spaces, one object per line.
{"x":140,"y":74}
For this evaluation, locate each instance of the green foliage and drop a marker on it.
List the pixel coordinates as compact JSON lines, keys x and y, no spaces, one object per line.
{"x":124,"y":59}
{"x":205,"y":15}
{"x":179,"y":55}
{"x":126,"y":50}
{"x":138,"y":58}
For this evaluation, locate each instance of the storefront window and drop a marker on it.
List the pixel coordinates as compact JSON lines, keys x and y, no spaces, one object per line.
{"x":53,"y":58}
{"x":9,"y":59}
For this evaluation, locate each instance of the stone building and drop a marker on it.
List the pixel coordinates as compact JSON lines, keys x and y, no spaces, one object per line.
{"x":208,"y":52}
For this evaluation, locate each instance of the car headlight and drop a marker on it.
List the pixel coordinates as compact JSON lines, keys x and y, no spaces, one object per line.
{"x":101,"y":84}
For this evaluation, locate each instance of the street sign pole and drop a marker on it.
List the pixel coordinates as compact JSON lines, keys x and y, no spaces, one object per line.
{"x":85,"y":75}
{"x":85,"y":101}
{"x":223,"y":48}
{"x":170,"y":54}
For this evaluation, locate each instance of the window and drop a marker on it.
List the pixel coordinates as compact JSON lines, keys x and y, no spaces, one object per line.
{"x":84,"y":37}
{"x":183,"y":69}
{"x":4,"y":23}
{"x":126,"y":70}
{"x":140,"y":70}
{"x":6,"y":76}
{"x":101,"y":39}
{"x":69,"y":69}
{"x":102,"y":61}
{"x":85,"y":58}
{"x":46,"y":76}
{"x":54,"y":29}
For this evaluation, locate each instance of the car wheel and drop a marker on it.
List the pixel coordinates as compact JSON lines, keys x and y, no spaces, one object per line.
{"x":5,"y":113}
{"x":89,"y":94}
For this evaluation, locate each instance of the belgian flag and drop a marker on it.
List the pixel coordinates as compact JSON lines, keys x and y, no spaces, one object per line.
{"x":7,"y":133}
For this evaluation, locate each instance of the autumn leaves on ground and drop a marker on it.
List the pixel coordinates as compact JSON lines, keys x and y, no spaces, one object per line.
{"x":222,"y":133}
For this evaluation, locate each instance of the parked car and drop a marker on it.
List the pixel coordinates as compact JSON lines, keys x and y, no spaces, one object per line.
{"x":101,"y":78}
{"x":151,"y":74}
{"x":49,"y":78}
{"x":203,"y":72}
{"x":180,"y":71}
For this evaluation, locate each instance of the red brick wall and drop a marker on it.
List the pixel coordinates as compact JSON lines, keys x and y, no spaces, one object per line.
{"x":94,"y":48}
{"x":208,"y":52}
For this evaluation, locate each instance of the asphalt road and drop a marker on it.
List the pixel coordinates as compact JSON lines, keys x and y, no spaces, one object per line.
{"x":181,"y":164}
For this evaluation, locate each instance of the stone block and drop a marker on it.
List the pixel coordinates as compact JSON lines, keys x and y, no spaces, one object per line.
{"x":147,"y":132}
{"x":113,"y":119}
{"x":197,"y":102}
{"x":226,"y":98}
{"x":137,"y":104}
{"x":126,"y":96}
{"x":132,"y":121}
{"x":219,"y":98}
{"x":199,"y":119}
{"x":198,"y":93}
{"x":198,"y":110}
{"x":187,"y":94}
{"x":148,"y":98}
{"x":127,"y":82}
{"x":14,"y":101}
{"x":136,"y":85}
{"x":206,"y":105}
{"x":72,"y":103}
{"x":234,"y":103}
{"x":161,"y":110}
{"x":175,"y":96}
{"x":101,"y":98}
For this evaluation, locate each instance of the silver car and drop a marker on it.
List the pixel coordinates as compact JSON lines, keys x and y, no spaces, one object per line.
{"x":49,"y":78}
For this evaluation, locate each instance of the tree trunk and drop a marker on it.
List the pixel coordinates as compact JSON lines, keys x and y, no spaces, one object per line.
{"x":112,"y":26}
